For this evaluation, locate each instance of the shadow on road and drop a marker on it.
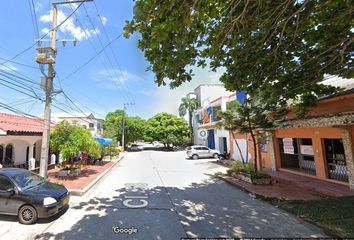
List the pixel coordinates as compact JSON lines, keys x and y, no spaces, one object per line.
{"x":197,"y":211}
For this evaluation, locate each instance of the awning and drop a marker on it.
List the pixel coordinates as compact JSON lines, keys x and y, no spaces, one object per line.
{"x":104,"y":141}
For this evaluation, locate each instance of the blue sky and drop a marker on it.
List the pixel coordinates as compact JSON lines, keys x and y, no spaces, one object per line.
{"x":103,"y":85}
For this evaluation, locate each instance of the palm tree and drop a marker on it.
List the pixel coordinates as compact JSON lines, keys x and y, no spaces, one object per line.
{"x":188,"y":105}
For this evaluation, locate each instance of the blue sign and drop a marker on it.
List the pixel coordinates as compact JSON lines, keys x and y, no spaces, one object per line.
{"x":241,"y":96}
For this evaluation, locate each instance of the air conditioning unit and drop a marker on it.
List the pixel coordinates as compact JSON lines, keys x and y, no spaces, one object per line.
{"x":45,"y":55}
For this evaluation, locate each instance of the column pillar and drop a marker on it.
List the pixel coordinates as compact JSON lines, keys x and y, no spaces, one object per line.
{"x":272,"y":149}
{"x":347,"y":138}
{"x":30,"y":151}
{"x":320,"y":158}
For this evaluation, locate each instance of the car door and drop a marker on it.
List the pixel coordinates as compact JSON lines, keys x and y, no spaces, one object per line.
{"x":205,"y":151}
{"x":7,"y":205}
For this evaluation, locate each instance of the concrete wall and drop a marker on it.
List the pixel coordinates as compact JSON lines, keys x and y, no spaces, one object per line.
{"x":220,"y":133}
{"x":20,"y":144}
{"x":95,"y":131}
{"x":209,"y":92}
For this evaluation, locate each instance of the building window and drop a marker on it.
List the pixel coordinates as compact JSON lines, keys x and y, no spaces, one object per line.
{"x":9,"y":153}
{"x":215,"y":114}
{"x":337,"y":167}
{"x":98,"y":126}
{"x":1,"y":153}
{"x":297,"y":154}
{"x":91,"y":125}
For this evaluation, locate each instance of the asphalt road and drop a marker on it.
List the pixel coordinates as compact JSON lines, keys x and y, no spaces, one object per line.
{"x":162,"y":195}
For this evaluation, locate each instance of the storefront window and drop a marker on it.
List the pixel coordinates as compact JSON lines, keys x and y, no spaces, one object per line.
{"x":297,"y":154}
{"x":335,"y":155}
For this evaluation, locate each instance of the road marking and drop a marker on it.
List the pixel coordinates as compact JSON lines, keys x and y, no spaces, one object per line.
{"x":135,"y":197}
{"x":139,"y":201}
{"x":143,"y":204}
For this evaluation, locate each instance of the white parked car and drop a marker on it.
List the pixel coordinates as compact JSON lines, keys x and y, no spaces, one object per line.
{"x":197,"y":151}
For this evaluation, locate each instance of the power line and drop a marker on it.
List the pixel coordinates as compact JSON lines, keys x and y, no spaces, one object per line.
{"x":17,"y":90}
{"x":18,"y":63}
{"x":94,"y":48}
{"x":34,"y":18}
{"x":92,"y":58}
{"x":113,"y":54}
{"x":110,"y":71}
{"x":109,"y":61}
{"x":72,"y":114}
{"x":17,"y":111}
{"x":31,"y":46}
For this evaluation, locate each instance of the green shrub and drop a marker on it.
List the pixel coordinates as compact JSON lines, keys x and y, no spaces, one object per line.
{"x":259,"y":175}
{"x":248,"y":168}
{"x":239,"y":167}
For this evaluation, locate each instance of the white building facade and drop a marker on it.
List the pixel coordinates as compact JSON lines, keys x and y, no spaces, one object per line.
{"x":212,"y":98}
{"x":20,"y":140}
{"x":87,"y":120}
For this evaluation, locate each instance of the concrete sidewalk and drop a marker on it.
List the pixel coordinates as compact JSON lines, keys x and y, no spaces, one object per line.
{"x":88,"y":177}
{"x":279,"y":190}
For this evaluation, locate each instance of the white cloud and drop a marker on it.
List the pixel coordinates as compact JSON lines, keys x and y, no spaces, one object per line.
{"x":38,"y":6}
{"x":68,"y":26}
{"x":147,"y":92}
{"x":114,"y":78}
{"x":104,"y":20}
{"x":168,"y":100}
{"x":8,"y":68}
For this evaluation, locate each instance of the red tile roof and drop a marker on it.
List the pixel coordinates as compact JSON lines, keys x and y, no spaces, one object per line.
{"x":15,"y":123}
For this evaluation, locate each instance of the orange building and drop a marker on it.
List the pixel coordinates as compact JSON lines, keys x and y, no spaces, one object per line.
{"x":320,"y":146}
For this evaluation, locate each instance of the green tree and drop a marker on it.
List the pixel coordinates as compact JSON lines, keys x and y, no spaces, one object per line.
{"x":284,"y":47}
{"x":168,"y":129}
{"x":246,"y":118}
{"x":69,"y":139}
{"x":134,"y":127}
{"x":188,"y":105}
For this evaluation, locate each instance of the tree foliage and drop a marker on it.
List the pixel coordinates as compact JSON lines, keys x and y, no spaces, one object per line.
{"x":284,"y":47}
{"x":188,"y":106}
{"x":246,"y":118}
{"x":69,"y":139}
{"x":134,"y":127}
{"x":168,"y":129}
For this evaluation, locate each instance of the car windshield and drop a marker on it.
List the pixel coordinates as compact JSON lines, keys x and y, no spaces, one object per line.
{"x":26,"y":180}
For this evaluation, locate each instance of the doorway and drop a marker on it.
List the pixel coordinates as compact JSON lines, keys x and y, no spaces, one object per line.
{"x":1,"y":153}
{"x":211,"y":140}
{"x":336,"y":163}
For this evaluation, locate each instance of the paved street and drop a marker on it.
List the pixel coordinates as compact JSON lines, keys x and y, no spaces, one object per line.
{"x":183,"y":200}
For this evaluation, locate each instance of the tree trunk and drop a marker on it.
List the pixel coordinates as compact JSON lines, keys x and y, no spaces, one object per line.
{"x":190,"y":126}
{"x":255,"y":151}
{"x":238,"y":147}
{"x":254,"y":142}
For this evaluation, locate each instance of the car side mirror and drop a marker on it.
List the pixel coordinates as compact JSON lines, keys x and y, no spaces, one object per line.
{"x":10,"y":191}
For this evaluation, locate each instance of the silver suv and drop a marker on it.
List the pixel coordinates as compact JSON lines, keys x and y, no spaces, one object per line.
{"x":197,"y":151}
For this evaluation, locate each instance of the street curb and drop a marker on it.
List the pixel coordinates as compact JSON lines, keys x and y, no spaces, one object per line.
{"x":79,"y":192}
{"x":256,"y":195}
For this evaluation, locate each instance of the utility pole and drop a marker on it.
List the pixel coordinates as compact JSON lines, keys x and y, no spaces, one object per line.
{"x":48,"y":88}
{"x":123,"y":121}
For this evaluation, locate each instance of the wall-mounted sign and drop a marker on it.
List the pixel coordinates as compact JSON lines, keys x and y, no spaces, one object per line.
{"x":264,"y":147}
{"x":288,"y":145}
{"x":202,"y":134}
{"x":306,"y":149}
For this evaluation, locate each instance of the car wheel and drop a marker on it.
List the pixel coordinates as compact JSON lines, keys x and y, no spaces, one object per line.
{"x":27,"y":215}
{"x":215,"y":155}
{"x":195,"y":156}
